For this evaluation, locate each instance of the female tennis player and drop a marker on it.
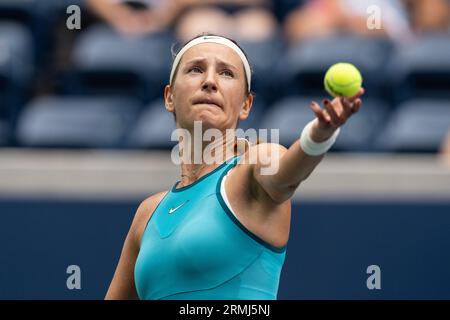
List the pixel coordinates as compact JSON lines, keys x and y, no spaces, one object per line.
{"x":221,"y":232}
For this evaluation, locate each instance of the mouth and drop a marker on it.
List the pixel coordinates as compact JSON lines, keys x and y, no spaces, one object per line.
{"x":210,"y":102}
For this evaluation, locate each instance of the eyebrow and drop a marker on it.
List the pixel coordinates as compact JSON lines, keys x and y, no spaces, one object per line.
{"x":219,"y":62}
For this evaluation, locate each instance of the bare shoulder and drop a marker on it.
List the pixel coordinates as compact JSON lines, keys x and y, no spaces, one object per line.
{"x":260,"y":159}
{"x":144,"y":212}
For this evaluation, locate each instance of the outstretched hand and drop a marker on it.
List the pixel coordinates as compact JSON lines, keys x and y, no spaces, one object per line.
{"x":334,"y":114}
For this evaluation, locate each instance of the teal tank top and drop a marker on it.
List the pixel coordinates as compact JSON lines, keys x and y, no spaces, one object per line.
{"x":194,"y":248}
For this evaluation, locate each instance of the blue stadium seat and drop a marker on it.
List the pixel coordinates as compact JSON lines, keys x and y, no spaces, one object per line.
{"x":18,"y":10}
{"x":76,"y":122}
{"x":302,"y":68}
{"x":291,"y":114}
{"x":107,"y":63}
{"x":416,"y":126}
{"x":16,"y":68}
{"x":37,"y":16}
{"x":360,"y":132}
{"x":16,"y":52}
{"x":4,"y":133}
{"x":421,"y":69}
{"x":153,"y":128}
{"x":263,"y":56}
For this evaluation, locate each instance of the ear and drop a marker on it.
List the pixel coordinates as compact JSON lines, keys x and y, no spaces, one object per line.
{"x":168,"y":98}
{"x":246,"y":107}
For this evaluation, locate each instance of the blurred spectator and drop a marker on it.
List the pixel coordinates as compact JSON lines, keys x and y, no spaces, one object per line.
{"x":138,"y":17}
{"x":250,"y":20}
{"x":321,"y":18}
{"x":429,"y":16}
{"x":242,"y":19}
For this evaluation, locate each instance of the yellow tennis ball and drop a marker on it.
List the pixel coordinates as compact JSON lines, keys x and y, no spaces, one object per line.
{"x":342,"y":80}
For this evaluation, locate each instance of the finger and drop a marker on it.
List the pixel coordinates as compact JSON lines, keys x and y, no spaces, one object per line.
{"x":334,"y":117}
{"x":326,"y":115}
{"x":357,"y":105}
{"x":347,"y":107}
{"x":357,"y":95}
{"x":320,"y":113}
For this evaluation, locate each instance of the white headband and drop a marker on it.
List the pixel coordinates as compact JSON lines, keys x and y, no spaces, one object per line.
{"x":214,"y":39}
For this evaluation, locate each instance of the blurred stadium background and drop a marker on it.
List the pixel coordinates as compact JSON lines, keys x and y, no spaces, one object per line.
{"x":84,"y":137}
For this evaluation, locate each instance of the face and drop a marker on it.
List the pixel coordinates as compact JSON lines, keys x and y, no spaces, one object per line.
{"x":209,"y":86}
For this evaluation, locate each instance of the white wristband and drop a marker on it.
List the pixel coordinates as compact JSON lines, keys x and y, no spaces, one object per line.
{"x":315,"y":148}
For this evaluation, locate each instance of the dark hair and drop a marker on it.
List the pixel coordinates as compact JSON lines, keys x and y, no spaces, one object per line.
{"x":176,"y":48}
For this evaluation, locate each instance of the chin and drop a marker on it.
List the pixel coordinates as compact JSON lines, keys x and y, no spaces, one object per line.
{"x":209,"y":119}
{"x":209,"y":122}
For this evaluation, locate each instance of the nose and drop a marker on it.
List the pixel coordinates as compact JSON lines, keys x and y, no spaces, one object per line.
{"x":209,"y":84}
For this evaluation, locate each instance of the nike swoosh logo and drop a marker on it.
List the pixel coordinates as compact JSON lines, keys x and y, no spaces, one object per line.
{"x":172,"y":210}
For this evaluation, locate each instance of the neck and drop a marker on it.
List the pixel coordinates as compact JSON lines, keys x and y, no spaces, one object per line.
{"x":198,"y":159}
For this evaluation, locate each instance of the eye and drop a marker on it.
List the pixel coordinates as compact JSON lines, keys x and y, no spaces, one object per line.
{"x":195,"y":70}
{"x":228,"y":73}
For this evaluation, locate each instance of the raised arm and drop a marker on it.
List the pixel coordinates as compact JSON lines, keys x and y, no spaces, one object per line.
{"x":294,"y":164}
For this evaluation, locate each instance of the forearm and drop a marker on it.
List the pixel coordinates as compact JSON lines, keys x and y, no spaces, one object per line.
{"x":282,"y":175}
{"x":295,"y":166}
{"x":289,"y":167}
